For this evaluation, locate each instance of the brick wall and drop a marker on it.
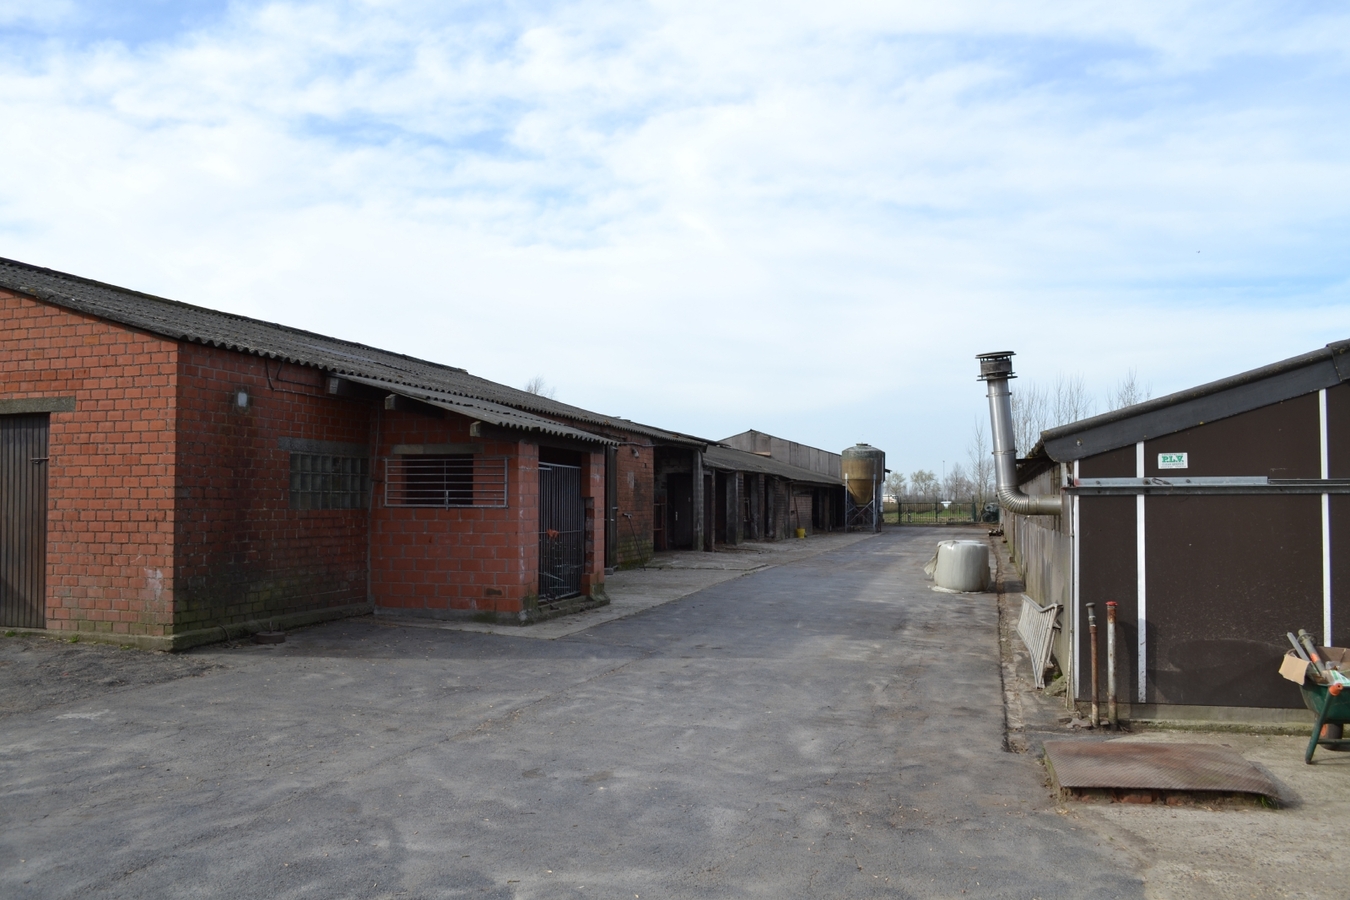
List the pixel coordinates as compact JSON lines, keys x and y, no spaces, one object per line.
{"x":471,"y":559}
{"x":593,"y":497}
{"x":242,"y":553}
{"x":110,"y":507}
{"x":635,"y":483}
{"x":169,"y":506}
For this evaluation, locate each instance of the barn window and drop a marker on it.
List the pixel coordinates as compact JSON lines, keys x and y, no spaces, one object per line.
{"x":445,"y":480}
{"x":319,"y":481}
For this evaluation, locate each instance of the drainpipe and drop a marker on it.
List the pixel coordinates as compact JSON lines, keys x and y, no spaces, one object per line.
{"x":995,"y":370}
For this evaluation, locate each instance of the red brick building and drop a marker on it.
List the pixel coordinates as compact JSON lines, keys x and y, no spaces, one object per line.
{"x":171,"y":474}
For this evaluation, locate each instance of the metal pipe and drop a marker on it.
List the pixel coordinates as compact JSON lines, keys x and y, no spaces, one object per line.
{"x":995,"y":370}
{"x":1111,"y":664}
{"x":1092,"y":640}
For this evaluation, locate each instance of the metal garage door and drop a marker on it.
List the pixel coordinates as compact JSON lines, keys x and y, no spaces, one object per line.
{"x":23,"y":520}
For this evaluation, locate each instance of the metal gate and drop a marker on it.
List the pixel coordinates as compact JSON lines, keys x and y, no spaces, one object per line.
{"x":562,"y":532}
{"x":23,"y":521}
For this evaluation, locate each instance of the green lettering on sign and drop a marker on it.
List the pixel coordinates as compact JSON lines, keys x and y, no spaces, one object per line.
{"x":1172,"y":461}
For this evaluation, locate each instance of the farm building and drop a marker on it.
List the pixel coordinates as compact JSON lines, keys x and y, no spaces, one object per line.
{"x":170,"y":472}
{"x":782,"y":486}
{"x":1217,"y":518}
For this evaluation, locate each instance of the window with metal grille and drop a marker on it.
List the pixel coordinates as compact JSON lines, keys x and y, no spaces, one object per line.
{"x":319,"y":481}
{"x":445,"y":481}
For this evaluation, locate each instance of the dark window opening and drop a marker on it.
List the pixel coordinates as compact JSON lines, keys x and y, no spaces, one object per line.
{"x":445,"y":481}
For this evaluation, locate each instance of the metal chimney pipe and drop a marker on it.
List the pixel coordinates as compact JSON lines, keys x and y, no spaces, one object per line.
{"x":995,"y":370}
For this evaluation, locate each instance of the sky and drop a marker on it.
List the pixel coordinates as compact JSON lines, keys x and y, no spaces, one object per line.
{"x":801,"y":218}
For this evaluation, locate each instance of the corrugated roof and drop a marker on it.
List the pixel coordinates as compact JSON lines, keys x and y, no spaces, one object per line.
{"x":185,"y":322}
{"x":482,"y":410}
{"x":1210,"y":402}
{"x":731,"y":459}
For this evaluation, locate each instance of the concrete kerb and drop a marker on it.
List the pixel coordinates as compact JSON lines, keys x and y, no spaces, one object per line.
{"x":667,"y":577}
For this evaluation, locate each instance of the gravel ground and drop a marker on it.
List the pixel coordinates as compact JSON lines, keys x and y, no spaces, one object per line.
{"x":41,"y":672}
{"x":830,"y":727}
{"x":1198,"y":852}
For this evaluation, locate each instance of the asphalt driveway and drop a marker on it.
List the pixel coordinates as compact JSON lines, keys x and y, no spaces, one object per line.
{"x":826,"y":728}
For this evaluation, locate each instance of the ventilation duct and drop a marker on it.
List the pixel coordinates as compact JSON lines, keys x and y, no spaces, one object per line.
{"x":995,"y":370}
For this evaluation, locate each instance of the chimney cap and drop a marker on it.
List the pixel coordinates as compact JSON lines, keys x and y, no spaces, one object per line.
{"x":996,"y":366}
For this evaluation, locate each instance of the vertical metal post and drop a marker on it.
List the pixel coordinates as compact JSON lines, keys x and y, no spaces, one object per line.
{"x":876,"y":499}
{"x":1092,"y":640}
{"x":1111,"y":663}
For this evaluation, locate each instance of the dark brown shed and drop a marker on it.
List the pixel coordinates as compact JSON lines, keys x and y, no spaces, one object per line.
{"x":1218,"y":518}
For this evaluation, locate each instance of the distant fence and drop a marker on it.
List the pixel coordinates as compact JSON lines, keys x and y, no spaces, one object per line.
{"x":933,"y":512}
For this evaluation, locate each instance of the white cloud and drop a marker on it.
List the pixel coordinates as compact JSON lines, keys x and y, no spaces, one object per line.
{"x":695,"y":214}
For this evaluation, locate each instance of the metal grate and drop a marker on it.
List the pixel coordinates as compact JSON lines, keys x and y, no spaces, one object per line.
{"x":328,"y":482}
{"x":445,"y":481}
{"x":1036,"y":627}
{"x":562,"y":532}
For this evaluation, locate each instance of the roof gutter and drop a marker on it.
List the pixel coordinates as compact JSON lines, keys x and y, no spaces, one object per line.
{"x":995,"y":370}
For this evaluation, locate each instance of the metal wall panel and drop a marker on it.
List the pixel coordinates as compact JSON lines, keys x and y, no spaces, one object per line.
{"x":1340,"y":570}
{"x":1277,"y":441}
{"x":1113,"y":464}
{"x":1338,"y":431}
{"x":23,"y":520}
{"x":1227,"y":576}
{"x":1108,"y":567}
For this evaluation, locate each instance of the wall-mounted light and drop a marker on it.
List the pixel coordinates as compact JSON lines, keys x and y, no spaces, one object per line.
{"x":241,"y":399}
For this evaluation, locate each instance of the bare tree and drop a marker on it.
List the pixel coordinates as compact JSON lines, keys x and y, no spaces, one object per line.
{"x":1035,"y":409}
{"x":955,"y":485}
{"x":1031,"y":415}
{"x":924,"y":483}
{"x":1071,"y":401}
{"x":895,"y":486}
{"x":980,"y":464}
{"x":1128,"y":392}
{"x":538,"y":386}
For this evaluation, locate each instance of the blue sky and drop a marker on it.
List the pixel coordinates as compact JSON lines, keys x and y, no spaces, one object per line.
{"x":796,"y":217}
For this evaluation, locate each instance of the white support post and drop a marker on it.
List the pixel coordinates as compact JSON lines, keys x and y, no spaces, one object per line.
{"x":1075,"y":605}
{"x":1326,"y":521}
{"x":1142,"y":589}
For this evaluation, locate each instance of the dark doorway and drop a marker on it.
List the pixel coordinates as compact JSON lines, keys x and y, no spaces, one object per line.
{"x":719,"y":519}
{"x":709,"y":507}
{"x":562,"y":532}
{"x":680,"y":510}
{"x":23,"y":521}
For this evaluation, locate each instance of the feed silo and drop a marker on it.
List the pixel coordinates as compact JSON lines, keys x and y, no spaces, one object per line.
{"x":864,"y":468}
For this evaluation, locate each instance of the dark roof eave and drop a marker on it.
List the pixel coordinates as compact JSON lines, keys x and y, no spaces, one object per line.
{"x":1210,"y":402}
{"x":178,"y":321}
